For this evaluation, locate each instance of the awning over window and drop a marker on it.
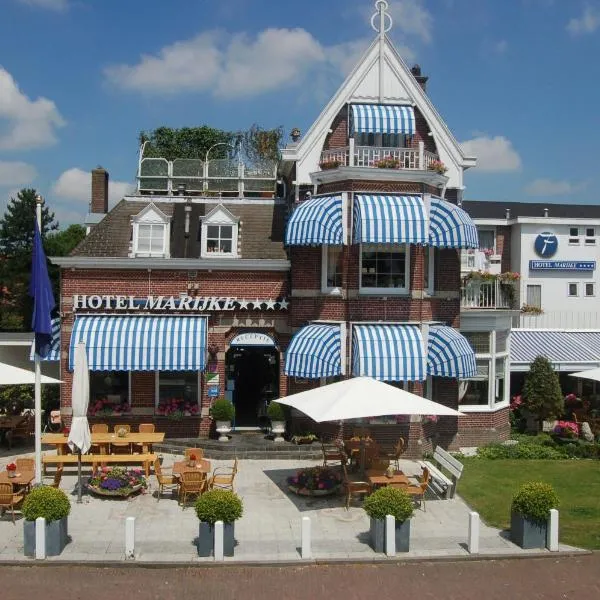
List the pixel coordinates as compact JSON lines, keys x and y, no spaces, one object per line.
{"x":314,"y":351}
{"x":380,"y":219}
{"x":136,"y":343}
{"x":381,"y":118}
{"x":54,"y":352}
{"x":451,"y":226}
{"x":388,"y":352}
{"x":316,"y":221}
{"x":566,"y":350}
{"x":449,"y":354}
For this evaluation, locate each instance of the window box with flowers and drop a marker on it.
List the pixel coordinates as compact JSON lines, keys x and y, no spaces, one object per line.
{"x":530,"y":309}
{"x":108,"y":407}
{"x":438,"y":166}
{"x":326,"y":165}
{"x":176,"y":408}
{"x":387,"y":163}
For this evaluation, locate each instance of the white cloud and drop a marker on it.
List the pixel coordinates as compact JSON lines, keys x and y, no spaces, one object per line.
{"x":75,"y":184}
{"x":14,"y":173}
{"x":550,"y":187}
{"x":588,"y":22}
{"x":412,"y":18}
{"x":49,"y":4}
{"x":493,"y":154}
{"x":30,"y":123}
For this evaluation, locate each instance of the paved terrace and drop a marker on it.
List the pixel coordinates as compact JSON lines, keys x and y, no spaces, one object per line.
{"x":269,"y":531}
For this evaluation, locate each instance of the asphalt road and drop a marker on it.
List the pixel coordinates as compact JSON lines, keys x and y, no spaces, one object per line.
{"x":575,"y":578}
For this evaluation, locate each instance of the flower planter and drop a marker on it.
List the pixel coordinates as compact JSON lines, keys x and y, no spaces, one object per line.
{"x":223,"y":428}
{"x":278,"y":429}
{"x":57,"y":537}
{"x":527,"y":533}
{"x":121,"y":493}
{"x":316,"y":493}
{"x":402,"y":535}
{"x":206,"y":539}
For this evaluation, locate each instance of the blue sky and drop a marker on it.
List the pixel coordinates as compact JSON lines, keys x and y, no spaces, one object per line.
{"x":514,"y":80}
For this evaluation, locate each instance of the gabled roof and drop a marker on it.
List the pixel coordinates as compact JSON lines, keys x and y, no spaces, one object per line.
{"x":362,"y":85}
{"x":151,"y":209}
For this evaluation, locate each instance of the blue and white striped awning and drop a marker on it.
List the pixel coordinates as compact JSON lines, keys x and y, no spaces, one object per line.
{"x":141,"y":343}
{"x":314,"y":351}
{"x":382,"y":118}
{"x":566,"y":350}
{"x":380,"y":219}
{"x":316,"y":221}
{"x":449,"y":354}
{"x":388,"y":352}
{"x":451,"y":226}
{"x":54,"y":351}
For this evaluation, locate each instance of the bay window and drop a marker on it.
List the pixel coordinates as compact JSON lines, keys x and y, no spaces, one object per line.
{"x":384,"y":269}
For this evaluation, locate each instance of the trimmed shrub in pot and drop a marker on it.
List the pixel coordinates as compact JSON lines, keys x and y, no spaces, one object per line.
{"x":223,"y":412}
{"x":277,"y":415}
{"x":389,"y":501}
{"x":529,"y":514}
{"x":212,"y":506}
{"x":52,"y":504}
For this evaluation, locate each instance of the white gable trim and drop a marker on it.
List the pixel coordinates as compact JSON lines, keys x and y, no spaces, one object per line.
{"x":148,"y":211}
{"x":212,"y":216}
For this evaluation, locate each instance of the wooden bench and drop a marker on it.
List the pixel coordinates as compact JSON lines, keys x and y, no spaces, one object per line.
{"x":97,"y":459}
{"x":442,"y":484}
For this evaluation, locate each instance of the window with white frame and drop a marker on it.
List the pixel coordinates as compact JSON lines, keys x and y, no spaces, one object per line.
{"x":500,"y":375}
{"x":109,"y":391}
{"x":382,"y":140}
{"x":331,"y":268}
{"x":590,"y":290}
{"x":533,"y":293}
{"x":573,"y":290}
{"x":150,"y":233}
{"x":219,"y":234}
{"x":384,"y":269}
{"x":487,"y":241}
{"x":574,"y":236}
{"x":590,"y":236}
{"x":429,"y":270}
{"x":477,"y":388}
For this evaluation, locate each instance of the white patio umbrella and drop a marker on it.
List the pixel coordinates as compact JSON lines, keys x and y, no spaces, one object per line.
{"x":11,"y":375}
{"x":362,"y":397}
{"x":79,"y":436}
{"x":593,"y":374}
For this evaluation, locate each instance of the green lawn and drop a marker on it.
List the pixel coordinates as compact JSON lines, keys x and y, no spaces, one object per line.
{"x":488,"y":486}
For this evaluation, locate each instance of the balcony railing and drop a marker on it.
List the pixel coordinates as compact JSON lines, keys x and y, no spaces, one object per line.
{"x":558,"y":319}
{"x":486,"y":294}
{"x":368,"y":156}
{"x":213,"y":177}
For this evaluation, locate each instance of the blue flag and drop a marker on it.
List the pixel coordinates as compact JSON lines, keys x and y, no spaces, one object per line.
{"x":40,"y":289}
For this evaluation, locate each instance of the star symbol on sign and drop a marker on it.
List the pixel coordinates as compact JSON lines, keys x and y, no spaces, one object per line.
{"x":257,"y":304}
{"x":243,"y":304}
{"x":270,"y":304}
{"x":283,"y":304}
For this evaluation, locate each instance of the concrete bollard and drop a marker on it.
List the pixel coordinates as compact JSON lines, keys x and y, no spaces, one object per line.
{"x":306,"y":549}
{"x":390,"y":535}
{"x":40,"y":538}
{"x":219,"y":552}
{"x":552,"y":531}
{"x":130,"y":537}
{"x":473,"y":544}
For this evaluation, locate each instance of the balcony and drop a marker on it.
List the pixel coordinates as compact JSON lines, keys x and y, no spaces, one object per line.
{"x":219,"y":177}
{"x":495,"y":294}
{"x":368,"y":156}
{"x":479,"y":260}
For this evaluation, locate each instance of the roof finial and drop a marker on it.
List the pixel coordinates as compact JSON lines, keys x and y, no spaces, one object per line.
{"x":381,"y":6}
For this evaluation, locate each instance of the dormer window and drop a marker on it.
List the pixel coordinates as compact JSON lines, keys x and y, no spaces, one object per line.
{"x":151,"y":233}
{"x":219,"y":234}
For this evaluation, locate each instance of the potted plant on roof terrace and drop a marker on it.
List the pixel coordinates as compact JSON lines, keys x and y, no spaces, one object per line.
{"x":389,"y":501}
{"x":217,"y":505}
{"x":276,"y":414}
{"x":223,"y":412}
{"x":530,"y":510}
{"x":53,"y":505}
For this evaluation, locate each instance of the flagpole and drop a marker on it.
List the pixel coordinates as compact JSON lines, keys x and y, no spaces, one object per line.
{"x":38,"y":377}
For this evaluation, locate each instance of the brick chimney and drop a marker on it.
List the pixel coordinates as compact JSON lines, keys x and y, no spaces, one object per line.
{"x":99,"y":203}
{"x":421,"y":79}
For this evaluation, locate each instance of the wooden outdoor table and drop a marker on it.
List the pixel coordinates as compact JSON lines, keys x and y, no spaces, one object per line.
{"x":23,"y":478}
{"x":103,"y":440}
{"x":10,"y":422}
{"x":377,"y":478}
{"x":202,"y":465}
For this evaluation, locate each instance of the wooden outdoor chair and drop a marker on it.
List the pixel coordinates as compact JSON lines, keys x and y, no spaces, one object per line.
{"x":9,"y":499}
{"x":223,"y":477}
{"x":163,"y":479}
{"x":57,"y":476}
{"x":121,"y":447}
{"x":98,"y":428}
{"x":25,"y":464}
{"x":24,"y":430}
{"x":333,"y":452}
{"x":197,"y":452}
{"x":399,"y":450}
{"x":417,"y":492}
{"x":144,"y":428}
{"x":352,"y":487}
{"x":192,"y":483}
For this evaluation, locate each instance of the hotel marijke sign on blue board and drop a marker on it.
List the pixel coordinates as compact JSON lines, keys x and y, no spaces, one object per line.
{"x":562,"y":265}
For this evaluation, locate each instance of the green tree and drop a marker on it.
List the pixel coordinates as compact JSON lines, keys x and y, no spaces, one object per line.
{"x":542,"y":395}
{"x":61,"y":243}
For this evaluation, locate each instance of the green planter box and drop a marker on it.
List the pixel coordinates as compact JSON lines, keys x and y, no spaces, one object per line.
{"x":527,"y":533}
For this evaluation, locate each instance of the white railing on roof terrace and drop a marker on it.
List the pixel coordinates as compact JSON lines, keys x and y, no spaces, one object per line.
{"x":559,"y":319}
{"x":369,"y":156}
{"x":218,"y":176}
{"x":486,"y":294}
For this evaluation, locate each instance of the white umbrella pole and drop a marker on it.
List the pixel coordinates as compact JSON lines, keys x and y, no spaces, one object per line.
{"x":38,"y":419}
